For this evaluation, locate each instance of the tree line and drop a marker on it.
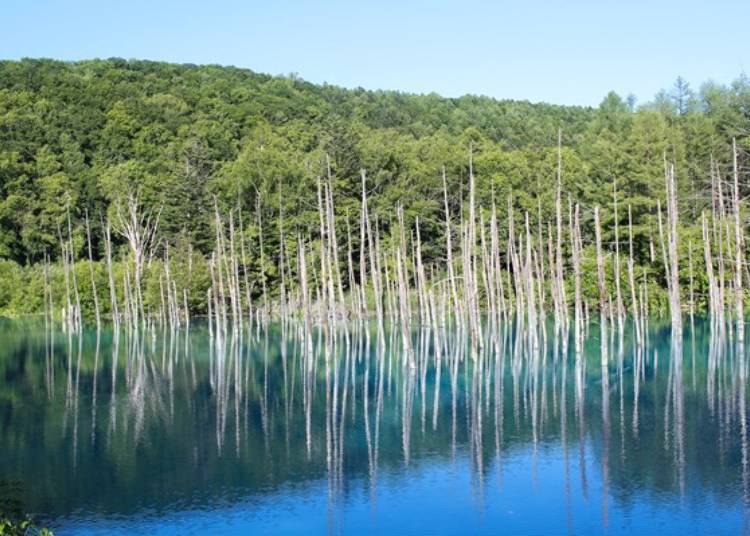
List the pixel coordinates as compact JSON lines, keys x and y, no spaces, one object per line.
{"x":77,"y":139}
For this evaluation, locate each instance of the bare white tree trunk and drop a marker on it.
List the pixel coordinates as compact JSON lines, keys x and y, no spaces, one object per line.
{"x":674,"y":271}
{"x":738,"y":242}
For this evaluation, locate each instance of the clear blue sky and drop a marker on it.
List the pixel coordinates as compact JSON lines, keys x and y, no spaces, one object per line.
{"x":566,"y":52}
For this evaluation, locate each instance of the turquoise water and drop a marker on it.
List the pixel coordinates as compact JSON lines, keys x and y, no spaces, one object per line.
{"x":276,"y":431}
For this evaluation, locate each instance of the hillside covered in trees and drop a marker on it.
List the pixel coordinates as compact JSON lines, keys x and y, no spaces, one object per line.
{"x":78,"y":138}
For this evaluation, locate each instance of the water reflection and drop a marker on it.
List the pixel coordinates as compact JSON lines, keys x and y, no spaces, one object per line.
{"x":108,"y":429}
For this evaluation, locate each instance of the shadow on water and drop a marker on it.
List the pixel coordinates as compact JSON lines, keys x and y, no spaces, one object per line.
{"x":349,"y":428}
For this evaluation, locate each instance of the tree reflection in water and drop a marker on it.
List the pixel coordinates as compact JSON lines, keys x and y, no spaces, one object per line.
{"x":112,"y":424}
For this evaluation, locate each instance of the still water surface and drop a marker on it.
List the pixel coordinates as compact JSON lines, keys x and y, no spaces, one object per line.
{"x":275,"y":431}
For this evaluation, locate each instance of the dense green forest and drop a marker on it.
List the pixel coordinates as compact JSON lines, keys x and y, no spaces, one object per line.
{"x":77,"y":138}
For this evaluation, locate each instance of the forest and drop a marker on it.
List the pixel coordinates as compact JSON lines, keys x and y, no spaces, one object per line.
{"x":190,"y":149}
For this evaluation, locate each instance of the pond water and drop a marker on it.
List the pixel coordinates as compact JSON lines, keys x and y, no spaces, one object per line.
{"x":276,"y":430}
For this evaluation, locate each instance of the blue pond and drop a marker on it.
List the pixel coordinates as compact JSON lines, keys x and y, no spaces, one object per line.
{"x":278,"y":430}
